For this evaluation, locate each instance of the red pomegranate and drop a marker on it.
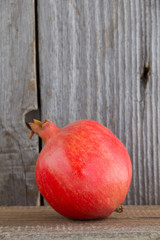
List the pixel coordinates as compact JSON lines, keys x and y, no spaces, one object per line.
{"x":83,"y":170}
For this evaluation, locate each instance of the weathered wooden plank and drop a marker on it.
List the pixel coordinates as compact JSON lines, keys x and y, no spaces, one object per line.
{"x":18,"y":95}
{"x":136,"y":222}
{"x":91,"y":56}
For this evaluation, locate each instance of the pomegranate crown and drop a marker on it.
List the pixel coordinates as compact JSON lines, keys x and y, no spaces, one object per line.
{"x":43,"y":129}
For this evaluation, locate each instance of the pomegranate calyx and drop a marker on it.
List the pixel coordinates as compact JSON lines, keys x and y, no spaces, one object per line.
{"x":44,"y":129}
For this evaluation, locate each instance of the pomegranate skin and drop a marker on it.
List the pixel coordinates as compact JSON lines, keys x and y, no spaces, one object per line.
{"x":83,"y":170}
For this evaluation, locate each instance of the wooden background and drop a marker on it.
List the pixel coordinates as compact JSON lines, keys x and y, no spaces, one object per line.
{"x":76,"y":59}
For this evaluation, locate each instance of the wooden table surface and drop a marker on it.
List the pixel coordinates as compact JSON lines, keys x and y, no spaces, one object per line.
{"x":43,"y":223}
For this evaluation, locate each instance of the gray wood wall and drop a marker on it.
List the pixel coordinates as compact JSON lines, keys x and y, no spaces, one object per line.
{"x":90,"y":56}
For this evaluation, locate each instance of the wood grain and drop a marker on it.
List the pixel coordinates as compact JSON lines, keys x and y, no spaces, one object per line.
{"x":18,"y":95}
{"x":136,"y":222}
{"x":91,"y":57}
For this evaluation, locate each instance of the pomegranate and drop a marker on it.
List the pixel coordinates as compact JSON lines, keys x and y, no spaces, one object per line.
{"x":83,"y":170}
